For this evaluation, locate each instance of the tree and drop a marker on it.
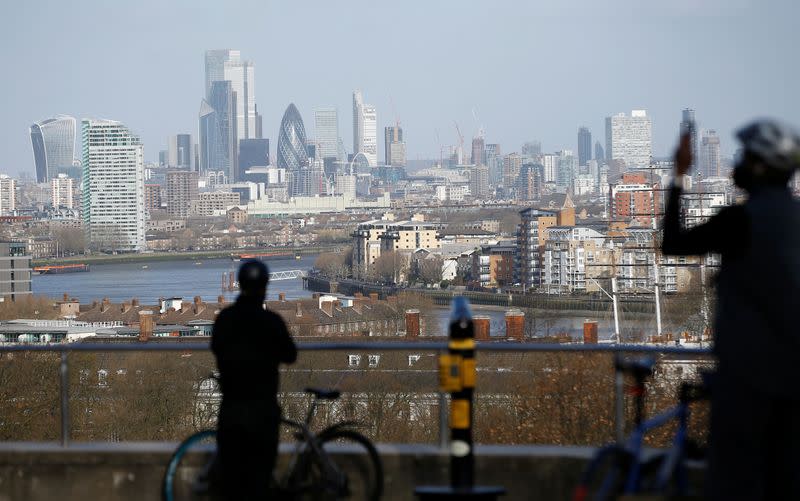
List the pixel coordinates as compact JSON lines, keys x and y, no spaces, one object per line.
{"x":429,"y":269}
{"x":333,"y":264}
{"x":390,"y":267}
{"x":70,"y":240}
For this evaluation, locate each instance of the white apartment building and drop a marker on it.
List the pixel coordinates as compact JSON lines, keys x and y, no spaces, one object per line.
{"x":61,"y":189}
{"x":629,"y":138}
{"x":573,"y":253}
{"x":452,"y":192}
{"x":209,"y":203}
{"x":8,"y":195}
{"x":113,"y":186}
{"x":369,"y":145}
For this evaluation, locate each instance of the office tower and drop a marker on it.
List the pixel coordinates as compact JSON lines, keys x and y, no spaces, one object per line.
{"x":478,"y":151}
{"x":599,"y":152}
{"x":113,"y":186}
{"x":494,"y":162}
{"x":584,"y":146}
{"x":163,"y":158}
{"x":365,"y":129}
{"x":218,"y":137}
{"x":259,"y":125}
{"x":358,"y":105}
{"x":550,"y":167}
{"x":180,"y":152}
{"x":326,"y":128}
{"x":15,"y":268}
{"x":241,"y":75}
{"x":253,"y":153}
{"x":394,"y":146}
{"x":709,"y":159}
{"x":292,"y":153}
{"x":629,"y":139}
{"x":181,"y":189}
{"x":532,"y":149}
{"x":215,"y":65}
{"x":61,"y":189}
{"x":689,"y":126}
{"x":479,"y":181}
{"x":53,"y":142}
{"x":529,"y":182}
{"x":8,"y":195}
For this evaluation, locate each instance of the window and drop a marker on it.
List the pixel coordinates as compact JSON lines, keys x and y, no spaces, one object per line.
{"x":373,"y":360}
{"x":353,"y":361}
{"x":412,"y":359}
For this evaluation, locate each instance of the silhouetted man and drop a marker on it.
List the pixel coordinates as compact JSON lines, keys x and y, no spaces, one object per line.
{"x":755,"y":403}
{"x":249,"y":342}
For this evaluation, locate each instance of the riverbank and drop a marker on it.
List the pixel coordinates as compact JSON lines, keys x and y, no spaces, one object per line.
{"x":179,"y":255}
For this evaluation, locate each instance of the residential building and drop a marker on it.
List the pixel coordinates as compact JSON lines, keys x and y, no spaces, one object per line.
{"x":532,"y":149}
{"x":218,"y":137}
{"x":494,"y":161}
{"x":566,"y":169}
{"x":180,"y":152}
{"x":709,"y":157}
{"x":8,"y":195}
{"x":53,"y":142}
{"x":411,"y":235}
{"x":493,"y":266}
{"x":584,"y":146}
{"x":635,"y":198}
{"x":326,"y":130}
{"x":113,"y":186}
{"x":61,"y":190}
{"x":629,"y":139}
{"x":478,"y":151}
{"x":451,"y":192}
{"x":550,"y":165}
{"x":152,"y":197}
{"x":479,"y":181}
{"x":394,"y":146}
{"x":532,"y":235}
{"x":529,"y":182}
{"x":512,"y":164}
{"x":574,"y":258}
{"x":181,"y":189}
{"x":15,"y":270}
{"x":213,"y":203}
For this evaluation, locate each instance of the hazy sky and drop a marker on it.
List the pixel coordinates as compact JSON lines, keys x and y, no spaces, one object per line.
{"x":531,"y":69}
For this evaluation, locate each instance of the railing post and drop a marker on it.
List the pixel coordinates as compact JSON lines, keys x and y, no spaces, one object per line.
{"x":64,"y":399}
{"x":619,"y":403}
{"x":444,"y":430}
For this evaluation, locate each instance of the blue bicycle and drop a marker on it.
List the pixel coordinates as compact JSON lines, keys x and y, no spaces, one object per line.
{"x":624,"y":469}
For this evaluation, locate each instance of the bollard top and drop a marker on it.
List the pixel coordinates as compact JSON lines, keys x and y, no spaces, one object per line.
{"x":460,"y":310}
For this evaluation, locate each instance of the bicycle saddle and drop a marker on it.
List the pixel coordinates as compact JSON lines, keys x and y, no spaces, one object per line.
{"x":324,"y":394}
{"x":638,"y":367}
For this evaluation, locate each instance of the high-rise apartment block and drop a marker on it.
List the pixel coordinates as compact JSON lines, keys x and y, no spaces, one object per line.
{"x":113,"y":186}
{"x":152,"y":197}
{"x":709,"y":158}
{"x":15,"y":270}
{"x":529,"y":182}
{"x":635,"y":198}
{"x":326,"y":129}
{"x":479,"y":181}
{"x":180,"y":152}
{"x":181,"y":189}
{"x":629,"y":139}
{"x":478,"y":151}
{"x":61,"y":191}
{"x":394,"y":146}
{"x":584,"y":146}
{"x":53,"y":142}
{"x":8,"y":195}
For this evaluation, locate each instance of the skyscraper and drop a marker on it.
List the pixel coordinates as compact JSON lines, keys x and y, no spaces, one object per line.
{"x":241,"y":75}
{"x":61,"y":188}
{"x":629,"y":138}
{"x":689,"y":126}
{"x":584,"y":146}
{"x":253,"y":153}
{"x":494,"y":161}
{"x":113,"y":186}
{"x":599,"y":153}
{"x":365,"y":129}
{"x":394,"y":146}
{"x":292,"y":154}
{"x":479,"y":181}
{"x":478,"y":151}
{"x":8,"y":195}
{"x":326,"y":129}
{"x":181,"y":188}
{"x":566,"y":168}
{"x":180,"y":152}
{"x":53,"y":142}
{"x":218,"y":138}
{"x":215,"y":65}
{"x":710,"y":165}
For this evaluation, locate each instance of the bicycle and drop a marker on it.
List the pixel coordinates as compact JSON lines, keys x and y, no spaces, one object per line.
{"x":623,"y":469}
{"x":313,"y":472}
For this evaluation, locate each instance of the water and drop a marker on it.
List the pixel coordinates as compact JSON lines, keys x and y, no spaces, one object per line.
{"x":148,"y":281}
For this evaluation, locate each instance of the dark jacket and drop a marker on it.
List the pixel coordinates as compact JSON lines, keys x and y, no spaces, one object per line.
{"x":249,"y":342}
{"x":758,"y":288}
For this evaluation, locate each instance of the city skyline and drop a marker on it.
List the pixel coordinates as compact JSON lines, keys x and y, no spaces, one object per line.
{"x":512,"y":111}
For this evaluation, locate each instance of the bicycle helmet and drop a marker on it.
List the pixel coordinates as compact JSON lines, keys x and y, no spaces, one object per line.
{"x":253,"y":277}
{"x":775,"y":143}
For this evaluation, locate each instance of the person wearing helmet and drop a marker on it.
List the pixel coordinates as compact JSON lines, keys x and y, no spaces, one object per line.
{"x":755,"y":398}
{"x":249,"y":342}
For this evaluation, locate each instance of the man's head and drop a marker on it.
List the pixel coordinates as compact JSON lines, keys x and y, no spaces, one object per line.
{"x":253,"y":278}
{"x":770,"y":155}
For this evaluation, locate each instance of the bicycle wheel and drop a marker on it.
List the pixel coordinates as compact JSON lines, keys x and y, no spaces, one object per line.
{"x":350,"y":469}
{"x":604,"y":476}
{"x":191,"y":469}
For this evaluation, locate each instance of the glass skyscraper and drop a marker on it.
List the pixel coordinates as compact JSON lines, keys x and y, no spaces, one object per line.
{"x":292,"y":154}
{"x":584,"y":146}
{"x":53,"y":142}
{"x":218,"y":136}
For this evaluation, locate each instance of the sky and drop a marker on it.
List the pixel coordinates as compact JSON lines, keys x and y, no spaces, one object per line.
{"x":530,"y":70}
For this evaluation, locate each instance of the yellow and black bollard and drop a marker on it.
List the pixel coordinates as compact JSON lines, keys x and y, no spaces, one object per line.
{"x":457,"y":377}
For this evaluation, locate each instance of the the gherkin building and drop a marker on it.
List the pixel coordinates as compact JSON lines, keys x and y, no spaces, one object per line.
{"x":292,"y":154}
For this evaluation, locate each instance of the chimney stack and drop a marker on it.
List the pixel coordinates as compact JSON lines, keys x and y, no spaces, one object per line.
{"x":197,"y":305}
{"x":104,"y":305}
{"x":134,"y":302}
{"x":126,"y":307}
{"x":481,"y":323}
{"x":358,"y":304}
{"x":66,"y":297}
{"x":145,"y":325}
{"x":515,"y":325}
{"x":298,"y":309}
{"x":220,"y":299}
{"x":589,"y":332}
{"x":282,"y":297}
{"x":412,"y":323}
{"x":327,"y":307}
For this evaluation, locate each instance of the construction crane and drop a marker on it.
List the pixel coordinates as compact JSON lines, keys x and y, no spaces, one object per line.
{"x":460,"y":151}
{"x":481,"y":132}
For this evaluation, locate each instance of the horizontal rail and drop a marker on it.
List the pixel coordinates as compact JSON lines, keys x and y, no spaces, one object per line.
{"x":381,"y":345}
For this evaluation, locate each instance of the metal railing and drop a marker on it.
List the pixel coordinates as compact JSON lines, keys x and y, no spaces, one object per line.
{"x":434,"y":346}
